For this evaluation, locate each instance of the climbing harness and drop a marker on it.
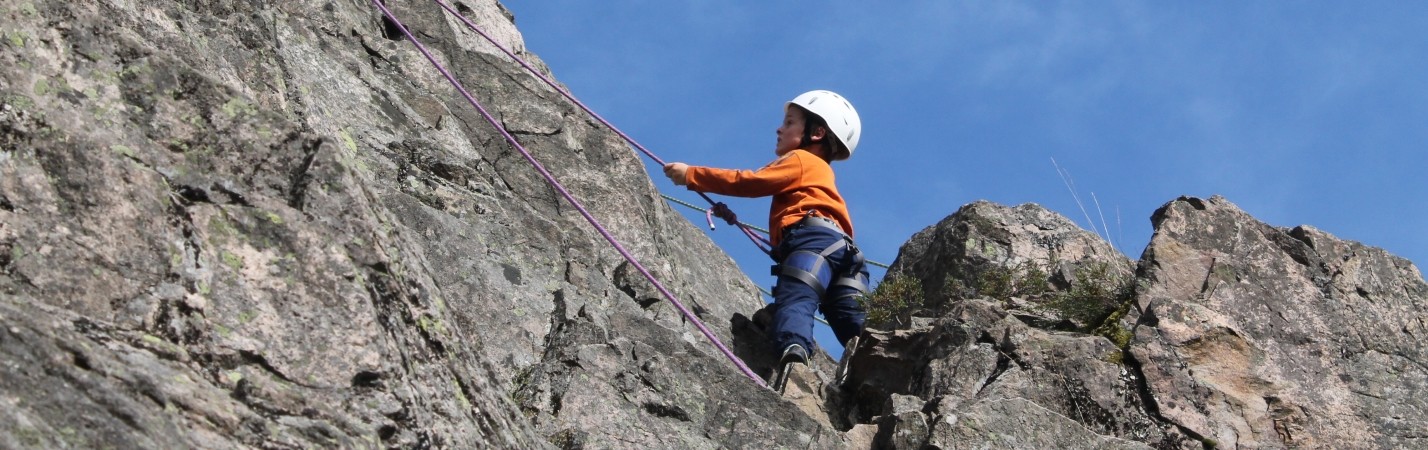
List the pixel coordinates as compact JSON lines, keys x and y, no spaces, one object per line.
{"x":817,"y":271}
{"x":561,"y":188}
{"x":762,"y":290}
{"x":814,"y":269}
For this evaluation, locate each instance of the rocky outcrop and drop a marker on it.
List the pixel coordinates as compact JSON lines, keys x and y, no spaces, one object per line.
{"x":1025,"y":255}
{"x":1236,"y":334}
{"x":1000,"y":364}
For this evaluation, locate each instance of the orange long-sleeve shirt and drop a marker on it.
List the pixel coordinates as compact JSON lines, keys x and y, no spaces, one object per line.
{"x":799,"y":182}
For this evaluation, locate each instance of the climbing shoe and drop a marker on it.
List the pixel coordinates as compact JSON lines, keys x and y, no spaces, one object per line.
{"x":841,"y":375}
{"x":792,"y":354}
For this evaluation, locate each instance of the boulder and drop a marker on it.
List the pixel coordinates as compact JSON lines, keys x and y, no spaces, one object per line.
{"x":1027,"y":256}
{"x":1262,"y":336}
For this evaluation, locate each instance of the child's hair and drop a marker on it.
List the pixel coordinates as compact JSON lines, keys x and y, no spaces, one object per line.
{"x":831,"y":144}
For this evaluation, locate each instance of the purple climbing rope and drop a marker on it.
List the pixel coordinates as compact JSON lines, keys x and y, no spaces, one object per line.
{"x":571,"y":198}
{"x":759,"y":241}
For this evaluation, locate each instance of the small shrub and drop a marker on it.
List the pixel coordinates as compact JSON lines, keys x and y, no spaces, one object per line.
{"x":995,"y":282}
{"x":1096,"y":294}
{"x":1022,"y":280}
{"x":953,"y":288}
{"x":1111,"y":327}
{"x":893,"y":298}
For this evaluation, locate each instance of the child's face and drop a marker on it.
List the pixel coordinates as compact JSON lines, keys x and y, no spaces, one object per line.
{"x":790,"y":134}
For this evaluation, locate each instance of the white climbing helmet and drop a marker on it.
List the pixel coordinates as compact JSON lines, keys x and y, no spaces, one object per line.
{"x":842,"y":119}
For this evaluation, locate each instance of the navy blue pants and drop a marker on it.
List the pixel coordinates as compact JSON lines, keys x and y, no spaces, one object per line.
{"x":795,"y":301}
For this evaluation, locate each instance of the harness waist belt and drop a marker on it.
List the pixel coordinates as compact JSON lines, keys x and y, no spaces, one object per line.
{"x":824,"y":222}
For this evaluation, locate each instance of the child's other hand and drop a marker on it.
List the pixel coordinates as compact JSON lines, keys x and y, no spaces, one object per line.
{"x":675,"y":172}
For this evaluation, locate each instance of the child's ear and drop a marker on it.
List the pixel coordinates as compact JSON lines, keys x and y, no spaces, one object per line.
{"x":818,"y":134}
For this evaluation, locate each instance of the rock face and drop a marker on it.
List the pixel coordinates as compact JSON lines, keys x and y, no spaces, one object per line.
{"x":1236,"y":334}
{"x":1256,"y":336}
{"x":230,"y":224}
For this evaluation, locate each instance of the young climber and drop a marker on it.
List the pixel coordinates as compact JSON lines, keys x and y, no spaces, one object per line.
{"x":810,"y":229}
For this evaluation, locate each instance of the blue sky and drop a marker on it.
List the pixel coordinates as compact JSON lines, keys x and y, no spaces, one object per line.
{"x":1299,"y":112}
